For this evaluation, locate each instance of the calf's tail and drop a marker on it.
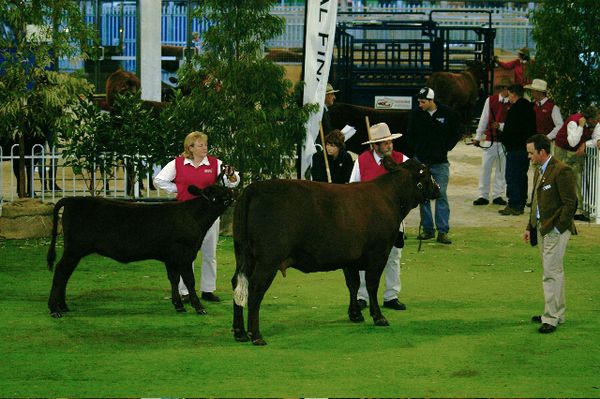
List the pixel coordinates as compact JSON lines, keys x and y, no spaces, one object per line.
{"x":243,"y":255}
{"x":51,"y":257}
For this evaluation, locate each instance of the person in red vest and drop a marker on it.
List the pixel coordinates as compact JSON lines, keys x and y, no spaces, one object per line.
{"x":548,"y":119}
{"x":368,"y":166}
{"x":196,"y":167}
{"x":518,"y":65}
{"x":494,"y":113}
{"x":577,"y":132}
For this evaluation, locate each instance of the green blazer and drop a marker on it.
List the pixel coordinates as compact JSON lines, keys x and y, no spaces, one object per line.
{"x":556,"y":197}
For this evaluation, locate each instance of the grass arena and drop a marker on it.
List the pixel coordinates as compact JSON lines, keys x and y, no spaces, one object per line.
{"x":466,"y":331}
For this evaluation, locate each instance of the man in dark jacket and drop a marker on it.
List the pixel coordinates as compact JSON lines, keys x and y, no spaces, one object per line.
{"x":432,"y":132}
{"x":519,"y":126}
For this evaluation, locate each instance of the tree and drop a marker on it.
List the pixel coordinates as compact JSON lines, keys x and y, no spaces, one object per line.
{"x":35,"y":34}
{"x":241,"y":101}
{"x":568,"y":51}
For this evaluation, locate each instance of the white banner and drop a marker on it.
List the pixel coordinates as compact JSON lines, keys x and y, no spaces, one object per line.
{"x":320,"y":35}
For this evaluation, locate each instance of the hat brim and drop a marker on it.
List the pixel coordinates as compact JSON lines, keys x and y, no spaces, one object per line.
{"x":391,"y":137}
{"x":331,"y":91}
{"x":531,"y":87}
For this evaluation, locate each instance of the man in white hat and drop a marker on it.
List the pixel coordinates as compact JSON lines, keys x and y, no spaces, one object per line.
{"x":368,"y":166}
{"x":329,"y":100}
{"x":547,"y":114}
{"x":434,"y":130}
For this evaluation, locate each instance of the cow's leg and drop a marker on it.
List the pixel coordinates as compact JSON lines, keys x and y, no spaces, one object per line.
{"x":187,"y":275}
{"x":259,"y":284}
{"x":57,"y":300}
{"x":352,"y":282}
{"x":372,"y":277}
{"x":173,"y":275}
{"x":239,"y":331}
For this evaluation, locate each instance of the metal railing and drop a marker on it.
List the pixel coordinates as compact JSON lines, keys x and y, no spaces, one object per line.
{"x":48,"y":178}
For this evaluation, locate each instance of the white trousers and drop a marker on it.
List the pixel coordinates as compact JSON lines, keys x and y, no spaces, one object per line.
{"x":393,"y":285}
{"x":209,"y":261}
{"x":553,"y":251}
{"x":492,"y":155}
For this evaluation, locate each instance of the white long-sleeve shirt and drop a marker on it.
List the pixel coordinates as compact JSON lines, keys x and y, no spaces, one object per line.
{"x":164,"y":178}
{"x":485,"y":118}
{"x":574,"y":133}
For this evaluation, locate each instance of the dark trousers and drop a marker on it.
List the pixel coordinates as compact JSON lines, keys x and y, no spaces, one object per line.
{"x":517,"y":164}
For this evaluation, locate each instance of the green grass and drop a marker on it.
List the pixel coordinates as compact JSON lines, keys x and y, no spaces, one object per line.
{"x":466,"y":332}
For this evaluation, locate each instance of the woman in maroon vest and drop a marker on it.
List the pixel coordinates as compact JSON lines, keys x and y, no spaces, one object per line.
{"x":196,"y":167}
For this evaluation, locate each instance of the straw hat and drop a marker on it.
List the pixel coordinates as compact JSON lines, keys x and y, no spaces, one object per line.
{"x":329,"y":89}
{"x":538,"y":85}
{"x":381,"y":132}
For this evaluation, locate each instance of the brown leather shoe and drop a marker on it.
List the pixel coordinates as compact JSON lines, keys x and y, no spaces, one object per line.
{"x":443,"y":238}
{"x":510,"y":211}
{"x":426,"y":235}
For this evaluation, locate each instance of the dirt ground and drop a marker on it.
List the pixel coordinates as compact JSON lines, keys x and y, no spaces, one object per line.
{"x":465,"y":166}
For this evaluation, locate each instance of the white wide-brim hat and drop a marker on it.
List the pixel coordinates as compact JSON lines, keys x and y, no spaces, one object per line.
{"x":537,"y":84}
{"x":329,"y":89}
{"x":381,"y":132}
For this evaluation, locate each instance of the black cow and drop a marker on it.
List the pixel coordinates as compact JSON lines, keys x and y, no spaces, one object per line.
{"x":314,"y":226}
{"x":124,"y":231}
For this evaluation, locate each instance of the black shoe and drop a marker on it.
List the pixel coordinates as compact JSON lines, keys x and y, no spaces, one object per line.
{"x":582,"y":218}
{"x":481,"y":201}
{"x":210,"y":297}
{"x":510,"y":211}
{"x":547,"y":328}
{"x":443,"y":238}
{"x":499,"y":201}
{"x":362,"y":304}
{"x":426,"y":235}
{"x":394,"y":304}
{"x":536,"y":319}
{"x":185,"y":298}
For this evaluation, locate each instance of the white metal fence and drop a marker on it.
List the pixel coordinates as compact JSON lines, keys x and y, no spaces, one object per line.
{"x":590,"y":185}
{"x":49,"y":179}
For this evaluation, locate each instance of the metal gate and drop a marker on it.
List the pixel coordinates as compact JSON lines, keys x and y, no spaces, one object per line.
{"x":393,"y":54}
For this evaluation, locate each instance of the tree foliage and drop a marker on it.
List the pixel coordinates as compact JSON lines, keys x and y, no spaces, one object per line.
{"x":568,"y":51}
{"x":34,"y":35}
{"x":241,"y":101}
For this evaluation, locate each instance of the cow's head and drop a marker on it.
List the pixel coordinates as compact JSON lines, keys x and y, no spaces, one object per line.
{"x":426,"y":186}
{"x":217,"y":195}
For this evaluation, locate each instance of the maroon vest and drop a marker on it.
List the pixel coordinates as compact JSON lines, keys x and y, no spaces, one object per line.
{"x":201,"y":177}
{"x":561,"y":137}
{"x":370,"y":169}
{"x":543,"y":117}
{"x":498,"y":112}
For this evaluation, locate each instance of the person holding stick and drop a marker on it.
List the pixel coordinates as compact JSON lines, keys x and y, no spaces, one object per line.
{"x":368,"y":166}
{"x":333,"y":164}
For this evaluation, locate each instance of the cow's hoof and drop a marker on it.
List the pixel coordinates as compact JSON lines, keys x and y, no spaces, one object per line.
{"x":356,"y":318}
{"x":180,"y":310}
{"x":382,"y":322}
{"x":259,"y":342}
{"x":56,"y":315}
{"x":201,"y":312}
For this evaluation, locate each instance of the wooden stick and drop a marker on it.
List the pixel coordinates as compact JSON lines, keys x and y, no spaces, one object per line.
{"x":368,"y":129}
{"x":325,"y":153}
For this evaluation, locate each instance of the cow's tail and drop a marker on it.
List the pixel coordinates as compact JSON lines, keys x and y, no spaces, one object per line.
{"x":243,"y":255}
{"x":51,"y":257}
{"x":240,"y":294}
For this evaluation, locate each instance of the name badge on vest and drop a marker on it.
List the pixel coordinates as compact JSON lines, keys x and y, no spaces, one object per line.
{"x":207,"y":170}
{"x":547,"y":186}
{"x":441,"y":120}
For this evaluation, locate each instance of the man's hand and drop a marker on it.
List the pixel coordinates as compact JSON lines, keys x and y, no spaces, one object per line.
{"x":527,"y":236}
{"x":582,"y":121}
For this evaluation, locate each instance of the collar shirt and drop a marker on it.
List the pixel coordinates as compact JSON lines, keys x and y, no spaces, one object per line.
{"x":164,"y":179}
{"x":542,"y":169}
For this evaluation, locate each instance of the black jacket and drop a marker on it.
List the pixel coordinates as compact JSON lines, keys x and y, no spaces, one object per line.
{"x":340,"y":169}
{"x":432,"y":136}
{"x":519,"y":125}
